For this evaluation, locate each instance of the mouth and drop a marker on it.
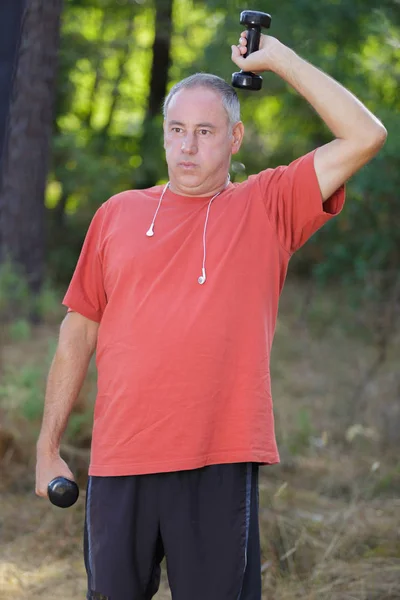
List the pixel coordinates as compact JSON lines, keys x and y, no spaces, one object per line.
{"x":187,"y":165}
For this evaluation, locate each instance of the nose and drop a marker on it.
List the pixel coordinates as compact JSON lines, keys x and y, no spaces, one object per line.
{"x":189,"y":144}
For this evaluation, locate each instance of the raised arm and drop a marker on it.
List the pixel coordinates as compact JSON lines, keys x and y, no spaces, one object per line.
{"x":76,"y":345}
{"x":359,"y":134}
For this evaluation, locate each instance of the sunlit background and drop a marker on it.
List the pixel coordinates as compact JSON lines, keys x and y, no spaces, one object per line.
{"x":81,"y":90}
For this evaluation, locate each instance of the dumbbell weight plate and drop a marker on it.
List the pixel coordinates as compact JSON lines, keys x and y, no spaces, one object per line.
{"x":254,"y":18}
{"x":247,"y":81}
{"x":62,"y":492}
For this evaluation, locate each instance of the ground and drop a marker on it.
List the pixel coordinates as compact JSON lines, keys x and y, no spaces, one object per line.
{"x":329,"y":513}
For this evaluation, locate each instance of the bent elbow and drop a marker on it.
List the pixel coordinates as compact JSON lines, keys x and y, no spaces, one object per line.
{"x":377,"y":138}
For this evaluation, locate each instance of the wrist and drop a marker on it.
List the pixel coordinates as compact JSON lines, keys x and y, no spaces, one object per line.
{"x":47,"y":447}
{"x":282,"y":60}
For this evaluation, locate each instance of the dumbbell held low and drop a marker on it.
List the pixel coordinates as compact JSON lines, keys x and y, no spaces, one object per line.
{"x":62,"y":492}
{"x":254,"y":21}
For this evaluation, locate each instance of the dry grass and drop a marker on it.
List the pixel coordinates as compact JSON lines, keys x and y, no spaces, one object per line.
{"x":329,"y":514}
{"x":316,"y":547}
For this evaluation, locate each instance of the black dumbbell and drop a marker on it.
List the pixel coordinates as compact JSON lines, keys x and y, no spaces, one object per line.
{"x":62,"y":492}
{"x":254,"y":21}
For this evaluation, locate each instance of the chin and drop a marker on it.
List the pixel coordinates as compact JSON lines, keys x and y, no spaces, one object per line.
{"x":188,"y":179}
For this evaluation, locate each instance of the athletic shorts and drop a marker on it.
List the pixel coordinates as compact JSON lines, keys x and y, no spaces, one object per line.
{"x":204,"y":521}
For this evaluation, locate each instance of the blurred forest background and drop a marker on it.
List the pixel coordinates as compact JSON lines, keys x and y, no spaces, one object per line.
{"x":81,"y":89}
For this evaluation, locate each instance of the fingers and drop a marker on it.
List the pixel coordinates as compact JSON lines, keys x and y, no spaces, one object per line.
{"x":242,"y":47}
{"x":47,"y":470}
{"x":243,"y":43}
{"x":237,"y":56}
{"x":240,"y":50}
{"x":41,"y":489}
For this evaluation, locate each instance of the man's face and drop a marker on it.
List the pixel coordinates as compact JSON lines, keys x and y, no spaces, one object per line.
{"x":199,"y":141}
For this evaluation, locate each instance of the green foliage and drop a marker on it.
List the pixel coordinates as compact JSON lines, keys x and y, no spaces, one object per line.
{"x":103,"y":142}
{"x":48,"y":302}
{"x":32,"y":408}
{"x":18,"y":305}
{"x":79,"y":427}
{"x":302,"y":433}
{"x":23,"y":390}
{"x":14,"y":292}
{"x":388,"y":484}
{"x":20,"y":330}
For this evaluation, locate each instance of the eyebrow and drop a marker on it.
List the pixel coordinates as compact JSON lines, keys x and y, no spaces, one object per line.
{"x":209,"y":125}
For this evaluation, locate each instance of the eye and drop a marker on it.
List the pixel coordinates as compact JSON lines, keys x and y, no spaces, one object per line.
{"x":204,"y":132}
{"x":176,"y":129}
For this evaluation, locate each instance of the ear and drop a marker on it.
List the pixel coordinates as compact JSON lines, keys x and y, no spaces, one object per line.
{"x":237,"y":136}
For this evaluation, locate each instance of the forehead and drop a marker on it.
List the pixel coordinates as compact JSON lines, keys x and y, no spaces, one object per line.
{"x":197,"y":105}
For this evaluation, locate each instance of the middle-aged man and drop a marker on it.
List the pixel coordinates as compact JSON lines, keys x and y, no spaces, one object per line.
{"x":177,"y":289}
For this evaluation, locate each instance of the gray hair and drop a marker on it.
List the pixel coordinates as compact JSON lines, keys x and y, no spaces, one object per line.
{"x":230,"y":100}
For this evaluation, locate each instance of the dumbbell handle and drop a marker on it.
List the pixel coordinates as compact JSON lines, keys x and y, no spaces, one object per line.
{"x":253,"y":40}
{"x":62,"y":492}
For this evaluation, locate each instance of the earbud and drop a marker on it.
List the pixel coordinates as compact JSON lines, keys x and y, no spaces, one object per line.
{"x":202,"y":277}
{"x":150,"y":232}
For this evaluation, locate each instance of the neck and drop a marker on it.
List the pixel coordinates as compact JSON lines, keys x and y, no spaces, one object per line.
{"x":199,"y":191}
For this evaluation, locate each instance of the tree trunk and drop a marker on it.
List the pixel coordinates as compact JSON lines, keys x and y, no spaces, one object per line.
{"x":27,"y":152}
{"x":11,"y":12}
{"x":161,"y":57}
{"x":149,"y":171}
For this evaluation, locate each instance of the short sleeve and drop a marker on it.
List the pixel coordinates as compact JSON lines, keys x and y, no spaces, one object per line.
{"x":293,"y":201}
{"x":86,"y":294}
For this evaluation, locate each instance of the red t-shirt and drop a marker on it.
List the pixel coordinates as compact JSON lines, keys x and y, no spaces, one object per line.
{"x":183,"y":368}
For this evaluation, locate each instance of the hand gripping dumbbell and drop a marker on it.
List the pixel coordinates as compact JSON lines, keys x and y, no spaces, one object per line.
{"x":254,"y":21}
{"x":62,"y":492}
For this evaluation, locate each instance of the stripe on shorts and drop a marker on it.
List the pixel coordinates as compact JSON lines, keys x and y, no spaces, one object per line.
{"x":89,"y":534}
{"x":248,"y":504}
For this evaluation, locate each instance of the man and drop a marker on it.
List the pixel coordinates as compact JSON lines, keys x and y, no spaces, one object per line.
{"x":177,"y":289}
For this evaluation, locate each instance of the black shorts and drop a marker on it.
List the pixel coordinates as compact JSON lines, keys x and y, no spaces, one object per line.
{"x":204,"y":521}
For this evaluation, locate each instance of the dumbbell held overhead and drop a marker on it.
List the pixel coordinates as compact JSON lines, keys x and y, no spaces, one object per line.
{"x":62,"y":492}
{"x":254,"y":21}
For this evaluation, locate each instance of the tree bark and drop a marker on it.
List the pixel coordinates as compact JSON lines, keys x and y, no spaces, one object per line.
{"x":161,"y":57}
{"x":26,"y":155}
{"x":148,"y":173}
{"x":11,"y":12}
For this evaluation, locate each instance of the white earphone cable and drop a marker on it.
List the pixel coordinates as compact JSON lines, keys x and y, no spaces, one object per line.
{"x":150,"y":231}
